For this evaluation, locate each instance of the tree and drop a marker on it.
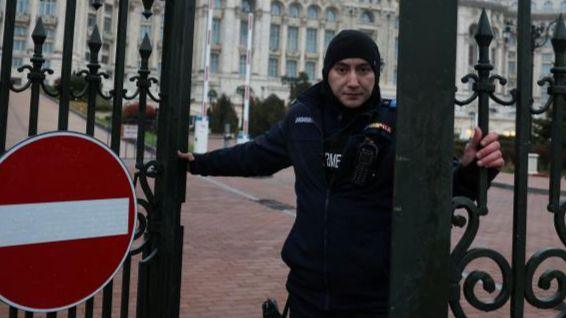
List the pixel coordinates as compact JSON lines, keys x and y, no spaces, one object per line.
{"x":542,"y":134}
{"x":265,"y":114}
{"x":297,"y":85}
{"x":222,"y":113}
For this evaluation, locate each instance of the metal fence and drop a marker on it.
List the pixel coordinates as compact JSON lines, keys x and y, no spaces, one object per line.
{"x":156,"y":253}
{"x":426,"y":276}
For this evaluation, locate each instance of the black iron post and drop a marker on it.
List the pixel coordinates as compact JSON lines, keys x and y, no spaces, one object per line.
{"x":484,"y":88}
{"x":164,"y":270}
{"x":419,"y":284}
{"x":7,"y":46}
{"x":522,"y":145}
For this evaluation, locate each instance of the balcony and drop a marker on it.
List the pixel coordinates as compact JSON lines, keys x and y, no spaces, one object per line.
{"x":22,"y":17}
{"x":49,"y":19}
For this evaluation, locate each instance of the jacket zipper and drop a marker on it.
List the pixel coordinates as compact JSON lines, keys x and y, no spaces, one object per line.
{"x":325,"y":260}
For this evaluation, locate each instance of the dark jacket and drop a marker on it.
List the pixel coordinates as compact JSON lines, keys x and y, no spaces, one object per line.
{"x":338,"y":247}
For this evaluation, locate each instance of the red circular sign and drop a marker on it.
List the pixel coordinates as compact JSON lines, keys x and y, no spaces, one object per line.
{"x":67,"y":219}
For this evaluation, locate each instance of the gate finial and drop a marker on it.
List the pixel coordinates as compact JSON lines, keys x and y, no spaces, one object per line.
{"x":38,"y":35}
{"x":145,"y":48}
{"x":484,"y":33}
{"x":94,"y":42}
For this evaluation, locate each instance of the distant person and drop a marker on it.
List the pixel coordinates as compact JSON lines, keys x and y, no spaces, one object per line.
{"x":339,"y":136}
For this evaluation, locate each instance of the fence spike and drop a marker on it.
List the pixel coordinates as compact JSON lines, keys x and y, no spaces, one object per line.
{"x":38,"y":35}
{"x":94,"y":42}
{"x":484,"y":33}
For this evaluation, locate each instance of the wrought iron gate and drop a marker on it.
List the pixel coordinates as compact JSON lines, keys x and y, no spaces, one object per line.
{"x":426,"y":276}
{"x":156,"y":254}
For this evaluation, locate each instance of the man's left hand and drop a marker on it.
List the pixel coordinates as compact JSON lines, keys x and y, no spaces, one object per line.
{"x":485,"y":151}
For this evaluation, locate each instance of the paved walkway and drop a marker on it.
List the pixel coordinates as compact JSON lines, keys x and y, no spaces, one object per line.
{"x":234,"y":230}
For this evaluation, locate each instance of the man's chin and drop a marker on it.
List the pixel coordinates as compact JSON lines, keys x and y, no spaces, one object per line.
{"x":352,"y":103}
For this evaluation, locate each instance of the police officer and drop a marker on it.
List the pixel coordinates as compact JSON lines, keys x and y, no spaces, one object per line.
{"x":339,"y":138}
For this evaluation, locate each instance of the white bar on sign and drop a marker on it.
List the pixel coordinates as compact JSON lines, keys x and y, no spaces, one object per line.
{"x":22,"y":224}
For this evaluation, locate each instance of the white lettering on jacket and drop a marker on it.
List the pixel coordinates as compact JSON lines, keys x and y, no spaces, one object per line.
{"x":333,"y":159}
{"x":303,"y":120}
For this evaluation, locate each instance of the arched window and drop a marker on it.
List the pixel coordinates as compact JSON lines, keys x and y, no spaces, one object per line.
{"x":294,"y":10}
{"x":366,"y":17}
{"x":330,"y":14}
{"x":548,"y":6}
{"x":247,"y":6}
{"x":275,"y":8}
{"x":312,"y":12}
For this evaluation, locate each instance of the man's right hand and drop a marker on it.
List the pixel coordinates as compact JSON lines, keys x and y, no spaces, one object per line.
{"x":186,"y":155}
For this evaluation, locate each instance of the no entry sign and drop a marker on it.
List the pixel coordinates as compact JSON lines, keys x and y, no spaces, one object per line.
{"x":67,"y":218}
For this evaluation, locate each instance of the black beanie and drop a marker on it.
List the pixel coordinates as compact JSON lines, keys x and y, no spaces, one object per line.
{"x":351,"y":44}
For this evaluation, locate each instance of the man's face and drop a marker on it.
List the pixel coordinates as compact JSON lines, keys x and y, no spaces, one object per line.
{"x":352,"y":81}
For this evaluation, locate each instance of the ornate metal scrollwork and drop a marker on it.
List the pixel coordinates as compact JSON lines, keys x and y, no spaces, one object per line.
{"x":484,"y":87}
{"x":537,"y":111}
{"x":466,"y":79}
{"x":544,"y":281}
{"x":462,"y":256}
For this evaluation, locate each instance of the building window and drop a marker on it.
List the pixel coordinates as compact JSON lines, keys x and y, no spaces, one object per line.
{"x":87,"y":55}
{"x":22,"y":6}
{"x":274,"y":37}
{"x":311,"y":40}
{"x":50,"y":33}
{"x":291,"y":68}
{"x":21,"y":31}
{"x":214,"y":60}
{"x":91,"y":20}
{"x":294,"y":10}
{"x":246,"y":6}
{"x":217,"y":4}
{"x":48,"y":47}
{"x":511,"y":68}
{"x":104,"y":59}
{"x":330,"y":14}
{"x":107,"y":24}
{"x":472,"y":54}
{"x":328,"y":36}
{"x":216,"y":31}
{"x":273,"y":67}
{"x":366,"y":17}
{"x":548,"y":6}
{"x":312,"y":12}
{"x":563,"y":6}
{"x":244,"y":33}
{"x":19,"y":45}
{"x":310,"y":69}
{"x":47,"y":7}
{"x":292,"y":39}
{"x":106,"y":47}
{"x":108,"y":8}
{"x":547,"y":57}
{"x":17,"y":62}
{"x":144,"y":29}
{"x":242,"y":65}
{"x":276,"y":9}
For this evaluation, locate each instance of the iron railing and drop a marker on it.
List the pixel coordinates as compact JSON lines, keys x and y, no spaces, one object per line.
{"x":162,"y":205}
{"x":518,"y":277}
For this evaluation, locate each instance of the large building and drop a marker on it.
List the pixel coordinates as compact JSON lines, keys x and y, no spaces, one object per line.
{"x":289,"y":36}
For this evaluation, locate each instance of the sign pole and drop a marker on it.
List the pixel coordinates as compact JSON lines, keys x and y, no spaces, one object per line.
{"x":201,"y":123}
{"x":244,"y":135}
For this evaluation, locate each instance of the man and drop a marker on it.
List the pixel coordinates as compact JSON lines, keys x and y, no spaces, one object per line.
{"x":339,"y":138}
